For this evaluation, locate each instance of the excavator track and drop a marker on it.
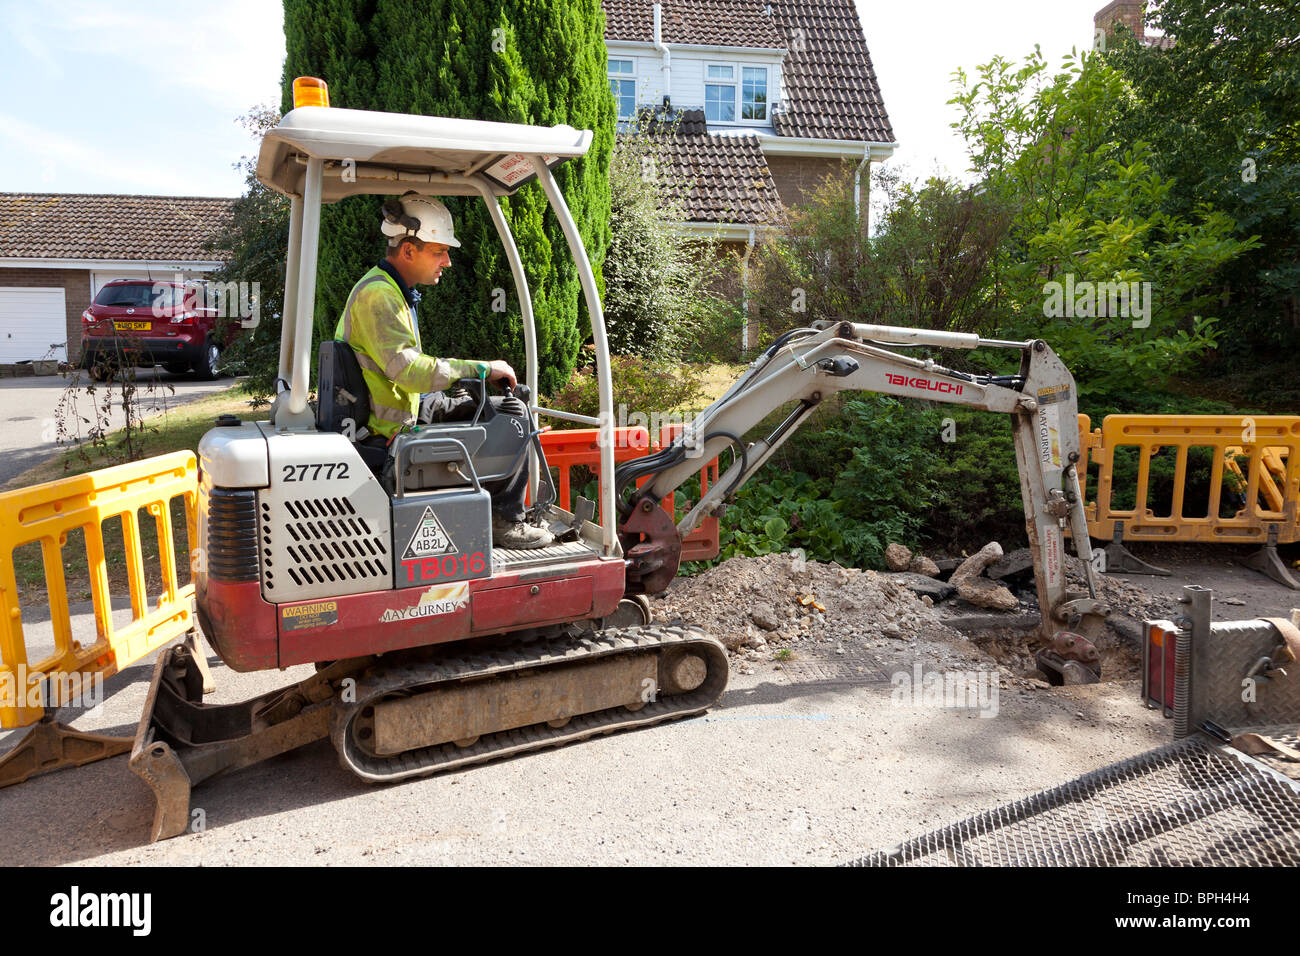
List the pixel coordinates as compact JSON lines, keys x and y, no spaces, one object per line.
{"x":395,"y":725}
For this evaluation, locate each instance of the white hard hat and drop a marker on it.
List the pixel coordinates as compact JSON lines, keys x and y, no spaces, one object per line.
{"x":423,"y":217}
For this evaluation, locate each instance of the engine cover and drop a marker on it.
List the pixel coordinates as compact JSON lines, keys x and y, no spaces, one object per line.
{"x":324,"y":518}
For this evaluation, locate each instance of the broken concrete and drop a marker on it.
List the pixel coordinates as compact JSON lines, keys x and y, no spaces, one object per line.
{"x":897,"y":557}
{"x":1009,"y":564}
{"x":765,"y":617}
{"x":974,"y":566}
{"x":923,"y":586}
{"x":922,"y":565}
{"x":985,"y":593}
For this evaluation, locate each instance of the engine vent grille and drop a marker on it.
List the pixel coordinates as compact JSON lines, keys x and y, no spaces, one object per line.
{"x":232,"y":535}
{"x":322,"y":543}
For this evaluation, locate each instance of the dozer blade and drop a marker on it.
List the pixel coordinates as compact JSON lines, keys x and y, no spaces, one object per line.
{"x":180,"y":741}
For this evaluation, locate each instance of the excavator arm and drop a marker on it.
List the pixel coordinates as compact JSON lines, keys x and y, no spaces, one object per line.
{"x":804,"y":367}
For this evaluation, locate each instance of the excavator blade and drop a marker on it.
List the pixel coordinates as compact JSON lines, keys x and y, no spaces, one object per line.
{"x":181,"y":741}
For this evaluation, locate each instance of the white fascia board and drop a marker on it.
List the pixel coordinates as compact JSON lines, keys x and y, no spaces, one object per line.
{"x":833,"y":148}
{"x":772,"y":51}
{"x":101,"y":264}
{"x":649,"y":47}
{"x":717,"y":230}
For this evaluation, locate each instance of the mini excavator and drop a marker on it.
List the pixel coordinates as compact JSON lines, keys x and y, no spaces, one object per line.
{"x":432,"y":649}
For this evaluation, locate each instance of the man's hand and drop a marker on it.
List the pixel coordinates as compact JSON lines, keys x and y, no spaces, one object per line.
{"x":501,"y":370}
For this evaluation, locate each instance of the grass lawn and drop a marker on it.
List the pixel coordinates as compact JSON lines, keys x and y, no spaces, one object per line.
{"x":718,"y":378}
{"x":173,"y":430}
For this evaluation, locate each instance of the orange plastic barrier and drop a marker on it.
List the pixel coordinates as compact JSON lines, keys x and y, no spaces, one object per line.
{"x":568,"y":448}
{"x":701,"y":543}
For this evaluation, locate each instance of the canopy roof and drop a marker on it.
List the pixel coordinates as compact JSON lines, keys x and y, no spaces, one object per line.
{"x":389,"y":153}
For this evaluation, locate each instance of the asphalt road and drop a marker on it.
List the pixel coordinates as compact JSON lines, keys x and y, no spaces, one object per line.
{"x":30,"y":409}
{"x":779,"y":772}
{"x":782,"y":771}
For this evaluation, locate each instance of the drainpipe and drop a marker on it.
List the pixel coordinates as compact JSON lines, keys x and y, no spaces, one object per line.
{"x":744,"y":291}
{"x":662,"y":47}
{"x":857,"y":187}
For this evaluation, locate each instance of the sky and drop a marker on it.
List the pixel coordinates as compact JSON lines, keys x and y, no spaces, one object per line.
{"x":145,"y":97}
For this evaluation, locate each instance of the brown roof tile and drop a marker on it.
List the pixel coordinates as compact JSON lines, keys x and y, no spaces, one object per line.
{"x":831,"y":90}
{"x":71,"y":226}
{"x":714,"y":22}
{"x":726,"y":178}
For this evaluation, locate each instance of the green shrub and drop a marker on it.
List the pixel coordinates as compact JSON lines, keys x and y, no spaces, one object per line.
{"x":658,"y":283}
{"x":641,"y":386}
{"x":782,"y":512}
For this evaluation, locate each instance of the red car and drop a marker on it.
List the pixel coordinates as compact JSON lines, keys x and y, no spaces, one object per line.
{"x":142,"y":322}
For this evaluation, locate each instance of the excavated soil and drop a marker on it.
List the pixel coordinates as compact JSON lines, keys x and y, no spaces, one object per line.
{"x":778,"y":608}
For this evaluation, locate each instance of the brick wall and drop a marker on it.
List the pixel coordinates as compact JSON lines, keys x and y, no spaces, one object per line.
{"x":76,"y":295}
{"x":1127,"y":12}
{"x":798,"y":177}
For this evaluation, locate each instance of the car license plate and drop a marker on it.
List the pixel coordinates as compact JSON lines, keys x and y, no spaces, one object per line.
{"x":133,"y":326}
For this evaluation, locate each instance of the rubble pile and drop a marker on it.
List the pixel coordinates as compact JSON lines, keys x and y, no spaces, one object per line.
{"x":765,"y":608}
{"x":755,"y":603}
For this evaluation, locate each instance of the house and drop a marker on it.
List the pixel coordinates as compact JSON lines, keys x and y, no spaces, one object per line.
{"x":770,"y":97}
{"x":57,"y":250}
{"x":1132,"y":14}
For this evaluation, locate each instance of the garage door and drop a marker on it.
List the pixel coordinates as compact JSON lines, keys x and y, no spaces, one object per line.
{"x":31,"y":321}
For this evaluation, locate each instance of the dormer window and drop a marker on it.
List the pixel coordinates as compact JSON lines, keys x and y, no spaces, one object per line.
{"x":720,"y":93}
{"x":731,"y":89}
{"x":622,"y":83}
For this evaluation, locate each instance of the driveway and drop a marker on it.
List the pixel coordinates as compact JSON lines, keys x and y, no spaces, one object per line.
{"x":30,"y":410}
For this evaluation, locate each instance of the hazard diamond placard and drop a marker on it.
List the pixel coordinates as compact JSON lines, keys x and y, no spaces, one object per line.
{"x":430,"y":538}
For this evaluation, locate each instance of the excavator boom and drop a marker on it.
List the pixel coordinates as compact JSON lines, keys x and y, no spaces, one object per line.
{"x":805,"y":366}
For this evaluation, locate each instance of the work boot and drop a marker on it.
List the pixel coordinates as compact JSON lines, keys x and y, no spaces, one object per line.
{"x":518,"y":534}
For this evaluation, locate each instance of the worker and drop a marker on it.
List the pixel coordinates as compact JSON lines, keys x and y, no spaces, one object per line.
{"x":379,"y":322}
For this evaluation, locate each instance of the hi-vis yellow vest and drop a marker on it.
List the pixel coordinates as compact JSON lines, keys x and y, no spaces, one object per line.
{"x":383,"y":332}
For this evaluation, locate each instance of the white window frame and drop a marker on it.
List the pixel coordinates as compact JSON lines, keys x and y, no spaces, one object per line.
{"x":737,"y":84}
{"x":621,"y":76}
{"x":767,"y":93}
{"x":734,"y":83}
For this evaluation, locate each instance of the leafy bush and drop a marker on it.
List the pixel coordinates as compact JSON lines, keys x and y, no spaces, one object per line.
{"x":874,"y":469}
{"x":781,"y":512}
{"x":926,"y":266}
{"x":657,"y":283}
{"x":640,"y":386}
{"x":717,"y":339}
{"x":1091,"y":207}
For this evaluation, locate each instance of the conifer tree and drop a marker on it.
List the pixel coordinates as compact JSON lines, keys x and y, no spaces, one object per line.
{"x":515,"y":61}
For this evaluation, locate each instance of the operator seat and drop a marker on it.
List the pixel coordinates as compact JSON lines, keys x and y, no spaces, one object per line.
{"x":342,"y":396}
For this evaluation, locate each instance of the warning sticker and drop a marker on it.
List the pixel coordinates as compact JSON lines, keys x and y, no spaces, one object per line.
{"x":439,"y":599}
{"x":430,"y":538}
{"x":300,"y":617}
{"x":1052,"y":551}
{"x":1054,"y":394}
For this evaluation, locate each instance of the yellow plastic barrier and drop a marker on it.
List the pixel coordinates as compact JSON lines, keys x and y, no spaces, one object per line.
{"x":1272,"y":480}
{"x":46,"y":514}
{"x":1261,"y":453}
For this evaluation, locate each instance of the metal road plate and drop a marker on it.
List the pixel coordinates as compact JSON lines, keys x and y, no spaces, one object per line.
{"x":821,"y":667}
